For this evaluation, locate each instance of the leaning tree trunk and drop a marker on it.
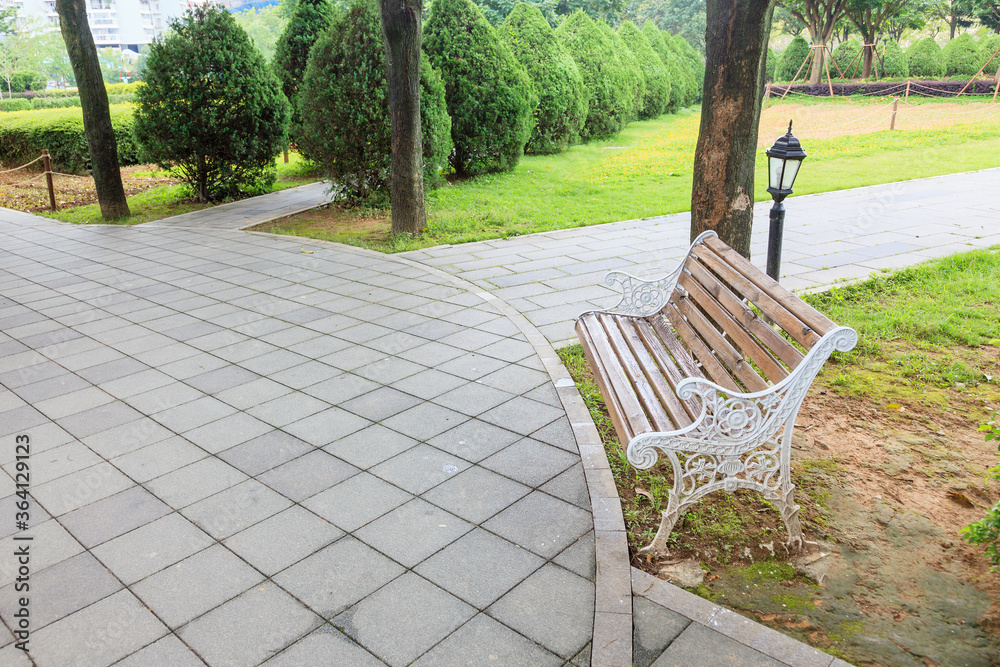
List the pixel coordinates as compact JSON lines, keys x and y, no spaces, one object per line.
{"x":402,"y":34}
{"x":94,"y":100}
{"x":722,"y":195}
{"x":819,"y":57}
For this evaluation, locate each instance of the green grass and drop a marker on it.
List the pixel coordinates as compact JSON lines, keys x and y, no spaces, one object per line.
{"x":168,"y":200}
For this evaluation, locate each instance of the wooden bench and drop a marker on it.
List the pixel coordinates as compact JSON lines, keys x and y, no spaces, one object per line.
{"x":710,"y":366}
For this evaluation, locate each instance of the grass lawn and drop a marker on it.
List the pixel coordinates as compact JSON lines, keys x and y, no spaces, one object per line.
{"x":646,"y":171}
{"x":167,"y":200}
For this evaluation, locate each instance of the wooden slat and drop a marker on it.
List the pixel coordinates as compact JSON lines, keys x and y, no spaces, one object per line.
{"x":671,"y":371}
{"x":665,"y":394}
{"x":748,"y":345}
{"x":637,"y":376}
{"x":669,"y":339}
{"x":633,"y":414}
{"x":819,"y":322}
{"x":757,"y":327}
{"x":799,"y":330}
{"x":724,"y":351}
{"x":713,"y":368}
{"x":611,"y":401}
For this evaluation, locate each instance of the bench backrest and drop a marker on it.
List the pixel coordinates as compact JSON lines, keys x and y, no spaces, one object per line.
{"x":710,"y":309}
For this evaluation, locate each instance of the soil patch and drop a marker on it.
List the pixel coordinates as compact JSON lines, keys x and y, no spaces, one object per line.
{"x":365,"y":226}
{"x":33,"y":196}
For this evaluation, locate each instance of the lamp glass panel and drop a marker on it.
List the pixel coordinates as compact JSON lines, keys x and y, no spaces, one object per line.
{"x":791,"y":169}
{"x":776,"y":165}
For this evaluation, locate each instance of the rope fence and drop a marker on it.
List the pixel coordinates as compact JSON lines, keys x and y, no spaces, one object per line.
{"x":47,"y":173}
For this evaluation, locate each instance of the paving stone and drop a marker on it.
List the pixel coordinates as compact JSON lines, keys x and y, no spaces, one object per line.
{"x":429,"y":383}
{"x":474,"y":440}
{"x":127,"y":438}
{"x":113,"y":516}
{"x":418,"y":469}
{"x":221,"y":379}
{"x":553,"y":607}
{"x":195,"y":482}
{"x":285,"y":538}
{"x":356,"y":501}
{"x":425,"y":421}
{"x":370,"y":446}
{"x":158,"y":459}
{"x":250,"y":628}
{"x":305,"y":374}
{"x":325,"y":646}
{"x":522,"y":415}
{"x":412,"y":532}
{"x":559,"y":434}
{"x":654,"y":628}
{"x":56,"y":462}
{"x":515,"y":379}
{"x":471,"y":366}
{"x":541,"y":523}
{"x":476,"y":494}
{"x":341,"y":388}
{"x":327,"y":426}
{"x":253,"y":393}
{"x":389,"y":370}
{"x":53,"y":545}
{"x":380,"y":404}
{"x":530,"y":462}
{"x":570,"y":486}
{"x":403,"y":619}
{"x":580,"y":557}
{"x":479,"y":567}
{"x":698,"y":643}
{"x":167,"y":651}
{"x":225,"y":433}
{"x":307,"y":475}
{"x":152,"y":547}
{"x":483,"y":641}
{"x":190,"y":416}
{"x":163,"y":397}
{"x":338,"y":576}
{"x":265,"y":452}
{"x":196,"y":584}
{"x":232,"y":510}
{"x":100,"y":634}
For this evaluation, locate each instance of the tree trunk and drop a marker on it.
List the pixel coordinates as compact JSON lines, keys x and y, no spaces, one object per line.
{"x":402,"y":35}
{"x":816,"y":73}
{"x":722,"y":194}
{"x":94,"y":100}
{"x":866,"y":68}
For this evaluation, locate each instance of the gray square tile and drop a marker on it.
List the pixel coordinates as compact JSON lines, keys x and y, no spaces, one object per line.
{"x":57,"y":462}
{"x":101,"y":418}
{"x":654,"y":628}
{"x":253,"y":393}
{"x":167,"y":651}
{"x":419,"y":468}
{"x":195,"y":482}
{"x":324,"y":427}
{"x":52,"y":387}
{"x":227,"y":432}
{"x":412,"y":532}
{"x":144,"y":464}
{"x":476,"y":494}
{"x":479,"y":567}
{"x":230,"y":511}
{"x":530,"y":462}
{"x":558,"y":434}
{"x":56,"y":590}
{"x":59,"y":546}
{"x":220,"y":379}
{"x":336,"y":577}
{"x":164,"y":397}
{"x":425,"y":421}
{"x":324,"y":647}
{"x":274,"y":362}
{"x":355,"y":356}
{"x":305,"y":374}
{"x":127,"y":438}
{"x":473,"y":398}
{"x":198,"y":583}
{"x":580,"y":557}
{"x":357,"y":501}
{"x":152,"y":547}
{"x":553,"y":607}
{"x":307,"y":475}
{"x":370,"y":446}
{"x":287,"y":409}
{"x":250,"y":628}
{"x":193,"y":366}
{"x":388,"y":370}
{"x":541,"y":523}
{"x":483,"y":641}
{"x":712,"y":648}
{"x":570,"y":486}
{"x":431,"y":354}
{"x":402,"y":620}
{"x":379,"y":404}
{"x":474,"y":440}
{"x":285,"y":538}
{"x":522,"y":415}
{"x":265,"y":452}
{"x":107,"y":619}
{"x":113,"y":516}
{"x":429,"y":383}
{"x":471,"y":366}
{"x":341,"y":388}
{"x":515,"y":379}
{"x":191,"y":415}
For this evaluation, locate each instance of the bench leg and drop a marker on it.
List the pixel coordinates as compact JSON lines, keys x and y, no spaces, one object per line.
{"x":785,"y":505}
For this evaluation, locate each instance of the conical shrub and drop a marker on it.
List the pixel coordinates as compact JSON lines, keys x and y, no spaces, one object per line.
{"x":677,"y":75}
{"x":961,"y":56}
{"x":654,"y":103}
{"x":924,"y":58}
{"x":792,"y":58}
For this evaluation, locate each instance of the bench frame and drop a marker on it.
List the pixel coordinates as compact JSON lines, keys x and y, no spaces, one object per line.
{"x":739,"y":440}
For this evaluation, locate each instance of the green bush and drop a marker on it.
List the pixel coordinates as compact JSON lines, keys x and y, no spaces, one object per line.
{"x":23,"y":80}
{"x":121,"y":88}
{"x":792,"y":58}
{"x":988,"y":46}
{"x":344,"y":105}
{"x":657,"y":81}
{"x":770,"y":65}
{"x":604,"y":76}
{"x":892,"y":60}
{"x":490,"y":97}
{"x":308,"y":21}
{"x":562,"y":98}
{"x":693,"y":61}
{"x":23,"y":135}
{"x":848,"y":59}
{"x":15,"y":104}
{"x":633,"y":70}
{"x":924,"y":59}
{"x":691,"y":86}
{"x":675,"y":73}
{"x":210,"y":106}
{"x":961,"y":56}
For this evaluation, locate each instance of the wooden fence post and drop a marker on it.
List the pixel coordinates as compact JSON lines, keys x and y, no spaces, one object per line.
{"x":907,"y":99}
{"x":767,"y":92}
{"x":892,"y":123}
{"x":286,"y":156}
{"x":48,"y":178}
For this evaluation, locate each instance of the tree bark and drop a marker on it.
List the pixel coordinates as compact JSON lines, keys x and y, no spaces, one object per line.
{"x":402,"y":34}
{"x":94,"y":101}
{"x":722,"y":194}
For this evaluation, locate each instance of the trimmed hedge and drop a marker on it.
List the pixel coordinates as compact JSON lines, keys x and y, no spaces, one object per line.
{"x":657,"y":83}
{"x":435,"y":124}
{"x":849,"y":59}
{"x":604,"y":75}
{"x":961,"y":56}
{"x":770,"y":64}
{"x":24,"y":134}
{"x":924,"y":58}
{"x":792,"y":58}
{"x":633,"y":70}
{"x":15,"y":104}
{"x":987,"y":47}
{"x":23,"y":80}
{"x":562,"y":98}
{"x":490,"y":97}
{"x":675,"y":73}
{"x":691,"y":90}
{"x":693,"y":61}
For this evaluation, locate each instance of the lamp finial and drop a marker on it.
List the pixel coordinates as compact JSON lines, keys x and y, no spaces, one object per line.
{"x":789,"y":126}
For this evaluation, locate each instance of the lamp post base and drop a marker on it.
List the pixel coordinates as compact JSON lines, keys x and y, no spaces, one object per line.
{"x":775,"y":234}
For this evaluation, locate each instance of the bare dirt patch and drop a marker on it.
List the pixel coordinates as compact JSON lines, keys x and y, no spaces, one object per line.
{"x":365,"y":226}
{"x":70,"y":191}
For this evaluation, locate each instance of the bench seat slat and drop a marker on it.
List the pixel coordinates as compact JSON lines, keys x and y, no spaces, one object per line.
{"x":682,"y":412}
{"x":633,"y":364}
{"x":712,"y":367}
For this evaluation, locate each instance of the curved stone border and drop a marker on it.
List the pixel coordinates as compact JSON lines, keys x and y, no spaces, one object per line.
{"x":612,"y":639}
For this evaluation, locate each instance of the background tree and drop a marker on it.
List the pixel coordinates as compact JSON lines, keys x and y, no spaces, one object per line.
{"x":497,"y":11}
{"x":892,"y":60}
{"x":309,"y":19}
{"x":820,"y":18}
{"x":490,"y":98}
{"x":956,"y":13}
{"x":678,"y":17}
{"x":657,"y":96}
{"x":263,"y":25}
{"x":723,"y":188}
{"x":988,"y":47}
{"x":94,"y":102}
{"x":210,"y":106}
{"x":988,"y":12}
{"x":870,"y":18}
{"x":562,"y":98}
{"x":913,"y":16}
{"x":790,"y":25}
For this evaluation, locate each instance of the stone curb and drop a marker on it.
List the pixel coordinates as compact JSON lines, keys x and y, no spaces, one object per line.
{"x":760,"y":638}
{"x":612,"y":638}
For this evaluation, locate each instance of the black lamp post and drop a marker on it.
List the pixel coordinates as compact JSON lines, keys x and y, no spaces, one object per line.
{"x":783,"y":160}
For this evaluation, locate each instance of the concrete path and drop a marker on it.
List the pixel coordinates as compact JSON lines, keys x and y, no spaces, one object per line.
{"x":553,"y":277}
